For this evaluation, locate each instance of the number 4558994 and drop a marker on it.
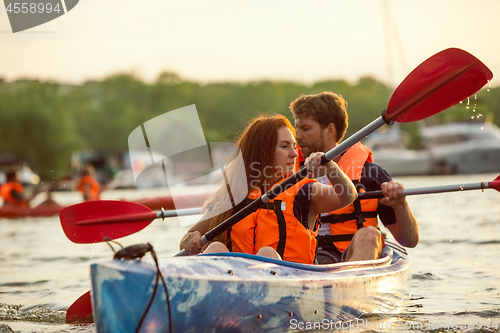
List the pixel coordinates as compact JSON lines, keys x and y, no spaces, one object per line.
{"x":32,"y":8}
{"x":464,"y":323}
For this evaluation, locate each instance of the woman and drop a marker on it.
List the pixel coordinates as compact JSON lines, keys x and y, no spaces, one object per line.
{"x":286,"y":227}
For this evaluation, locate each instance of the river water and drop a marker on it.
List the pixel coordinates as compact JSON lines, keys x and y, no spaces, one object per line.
{"x":456,"y":269}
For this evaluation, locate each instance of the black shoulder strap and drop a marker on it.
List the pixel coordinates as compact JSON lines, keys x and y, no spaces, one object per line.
{"x":357,"y":206}
{"x":282,"y":227}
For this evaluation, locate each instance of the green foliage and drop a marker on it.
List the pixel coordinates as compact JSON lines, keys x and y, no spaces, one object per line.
{"x":47,"y":121}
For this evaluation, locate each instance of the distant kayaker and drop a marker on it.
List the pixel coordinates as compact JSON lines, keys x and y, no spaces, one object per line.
{"x":352,"y":233}
{"x":88,"y":186}
{"x":12,"y":191}
{"x":286,"y":227}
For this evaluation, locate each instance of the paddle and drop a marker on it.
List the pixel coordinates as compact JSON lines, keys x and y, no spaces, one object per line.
{"x":91,"y":221}
{"x":438,"y":83}
{"x":495,"y":184}
{"x":81,"y":222}
{"x":81,"y":310}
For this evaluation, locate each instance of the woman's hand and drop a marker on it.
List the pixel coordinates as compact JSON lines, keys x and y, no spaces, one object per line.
{"x":191,"y":243}
{"x":313,"y":165}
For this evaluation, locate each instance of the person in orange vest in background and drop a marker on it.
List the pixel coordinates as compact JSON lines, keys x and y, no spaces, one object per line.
{"x":351,"y":233}
{"x":12,"y":191}
{"x":88,"y":185}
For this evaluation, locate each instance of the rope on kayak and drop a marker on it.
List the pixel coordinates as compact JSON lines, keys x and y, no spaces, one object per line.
{"x":137,"y":252}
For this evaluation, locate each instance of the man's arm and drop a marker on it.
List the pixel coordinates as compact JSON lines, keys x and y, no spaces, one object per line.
{"x":405,"y":230}
{"x":17,"y":195}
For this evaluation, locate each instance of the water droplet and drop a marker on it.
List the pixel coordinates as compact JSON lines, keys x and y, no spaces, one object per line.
{"x":461,"y":102}
{"x":467,"y":107}
{"x":454,"y":235}
{"x":482,"y":127}
{"x":488,"y":89}
{"x":471,"y":117}
{"x":475,"y":96}
{"x":468,"y":101}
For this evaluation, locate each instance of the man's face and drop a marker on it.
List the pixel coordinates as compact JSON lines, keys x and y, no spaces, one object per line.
{"x":309,"y":135}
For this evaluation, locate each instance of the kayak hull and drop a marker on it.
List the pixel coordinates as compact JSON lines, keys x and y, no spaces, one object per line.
{"x":244,"y":293}
{"x":43,"y":210}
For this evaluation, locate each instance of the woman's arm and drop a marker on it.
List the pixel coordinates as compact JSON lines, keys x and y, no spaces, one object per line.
{"x":327,"y":198}
{"x":191,"y":240}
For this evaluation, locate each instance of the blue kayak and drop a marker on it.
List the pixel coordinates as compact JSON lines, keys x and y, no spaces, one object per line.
{"x":234,"y":292}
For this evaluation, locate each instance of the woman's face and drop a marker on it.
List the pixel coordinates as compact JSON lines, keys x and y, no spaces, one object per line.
{"x":284,"y":158}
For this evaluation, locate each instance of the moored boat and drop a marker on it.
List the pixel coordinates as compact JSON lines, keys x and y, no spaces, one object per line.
{"x":244,"y":293}
{"x":463,"y":147}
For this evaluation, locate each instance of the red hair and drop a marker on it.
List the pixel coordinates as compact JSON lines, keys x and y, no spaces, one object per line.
{"x":257,"y":145}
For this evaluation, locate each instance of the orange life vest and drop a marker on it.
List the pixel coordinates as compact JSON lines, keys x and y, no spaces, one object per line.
{"x":6,"y":193}
{"x":276,"y":226}
{"x":95,"y":189}
{"x":361,"y":213}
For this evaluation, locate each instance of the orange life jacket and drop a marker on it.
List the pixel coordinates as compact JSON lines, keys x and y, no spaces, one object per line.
{"x":276,"y":226}
{"x":95,"y":189}
{"x":6,"y":193}
{"x":361,"y":213}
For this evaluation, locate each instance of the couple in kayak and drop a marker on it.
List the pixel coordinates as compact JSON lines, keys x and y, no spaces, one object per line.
{"x":319,"y":219}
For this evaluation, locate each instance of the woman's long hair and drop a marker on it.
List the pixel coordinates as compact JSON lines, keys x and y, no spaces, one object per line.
{"x":257,"y":146}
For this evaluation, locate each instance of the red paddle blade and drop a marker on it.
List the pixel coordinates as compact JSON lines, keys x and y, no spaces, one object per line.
{"x":81,"y":310}
{"x":438,"y":83}
{"x":89,"y":222}
{"x":495,"y":184}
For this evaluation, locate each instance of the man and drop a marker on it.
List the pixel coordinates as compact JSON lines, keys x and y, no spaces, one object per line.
{"x":12,"y":191}
{"x":352,"y":233}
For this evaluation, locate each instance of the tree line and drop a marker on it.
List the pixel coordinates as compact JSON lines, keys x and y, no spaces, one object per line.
{"x":46,"y":121}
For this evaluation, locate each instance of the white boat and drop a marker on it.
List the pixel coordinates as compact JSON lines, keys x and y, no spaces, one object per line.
{"x":465,"y":147}
{"x":390,"y":152}
{"x":404,"y":162}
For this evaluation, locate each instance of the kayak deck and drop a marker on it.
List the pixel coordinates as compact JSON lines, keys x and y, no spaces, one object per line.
{"x":247,"y":292}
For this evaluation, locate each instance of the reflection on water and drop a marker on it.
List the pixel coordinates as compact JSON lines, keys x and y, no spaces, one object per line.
{"x":455,"y":270}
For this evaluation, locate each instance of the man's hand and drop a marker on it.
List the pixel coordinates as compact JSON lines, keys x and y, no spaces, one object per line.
{"x":392,"y":194}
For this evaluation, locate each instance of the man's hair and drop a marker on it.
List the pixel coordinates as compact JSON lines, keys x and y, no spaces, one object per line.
{"x":325,"y":108}
{"x":11,"y":175}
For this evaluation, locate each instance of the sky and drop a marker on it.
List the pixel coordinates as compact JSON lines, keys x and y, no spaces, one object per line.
{"x":245,"y":40}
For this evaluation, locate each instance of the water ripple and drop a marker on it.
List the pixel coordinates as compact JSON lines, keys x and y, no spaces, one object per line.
{"x":23,"y":284}
{"x":425,"y":276}
{"x":39,"y":313}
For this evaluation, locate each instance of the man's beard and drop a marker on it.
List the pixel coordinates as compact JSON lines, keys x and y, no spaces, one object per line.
{"x":314,"y":147}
